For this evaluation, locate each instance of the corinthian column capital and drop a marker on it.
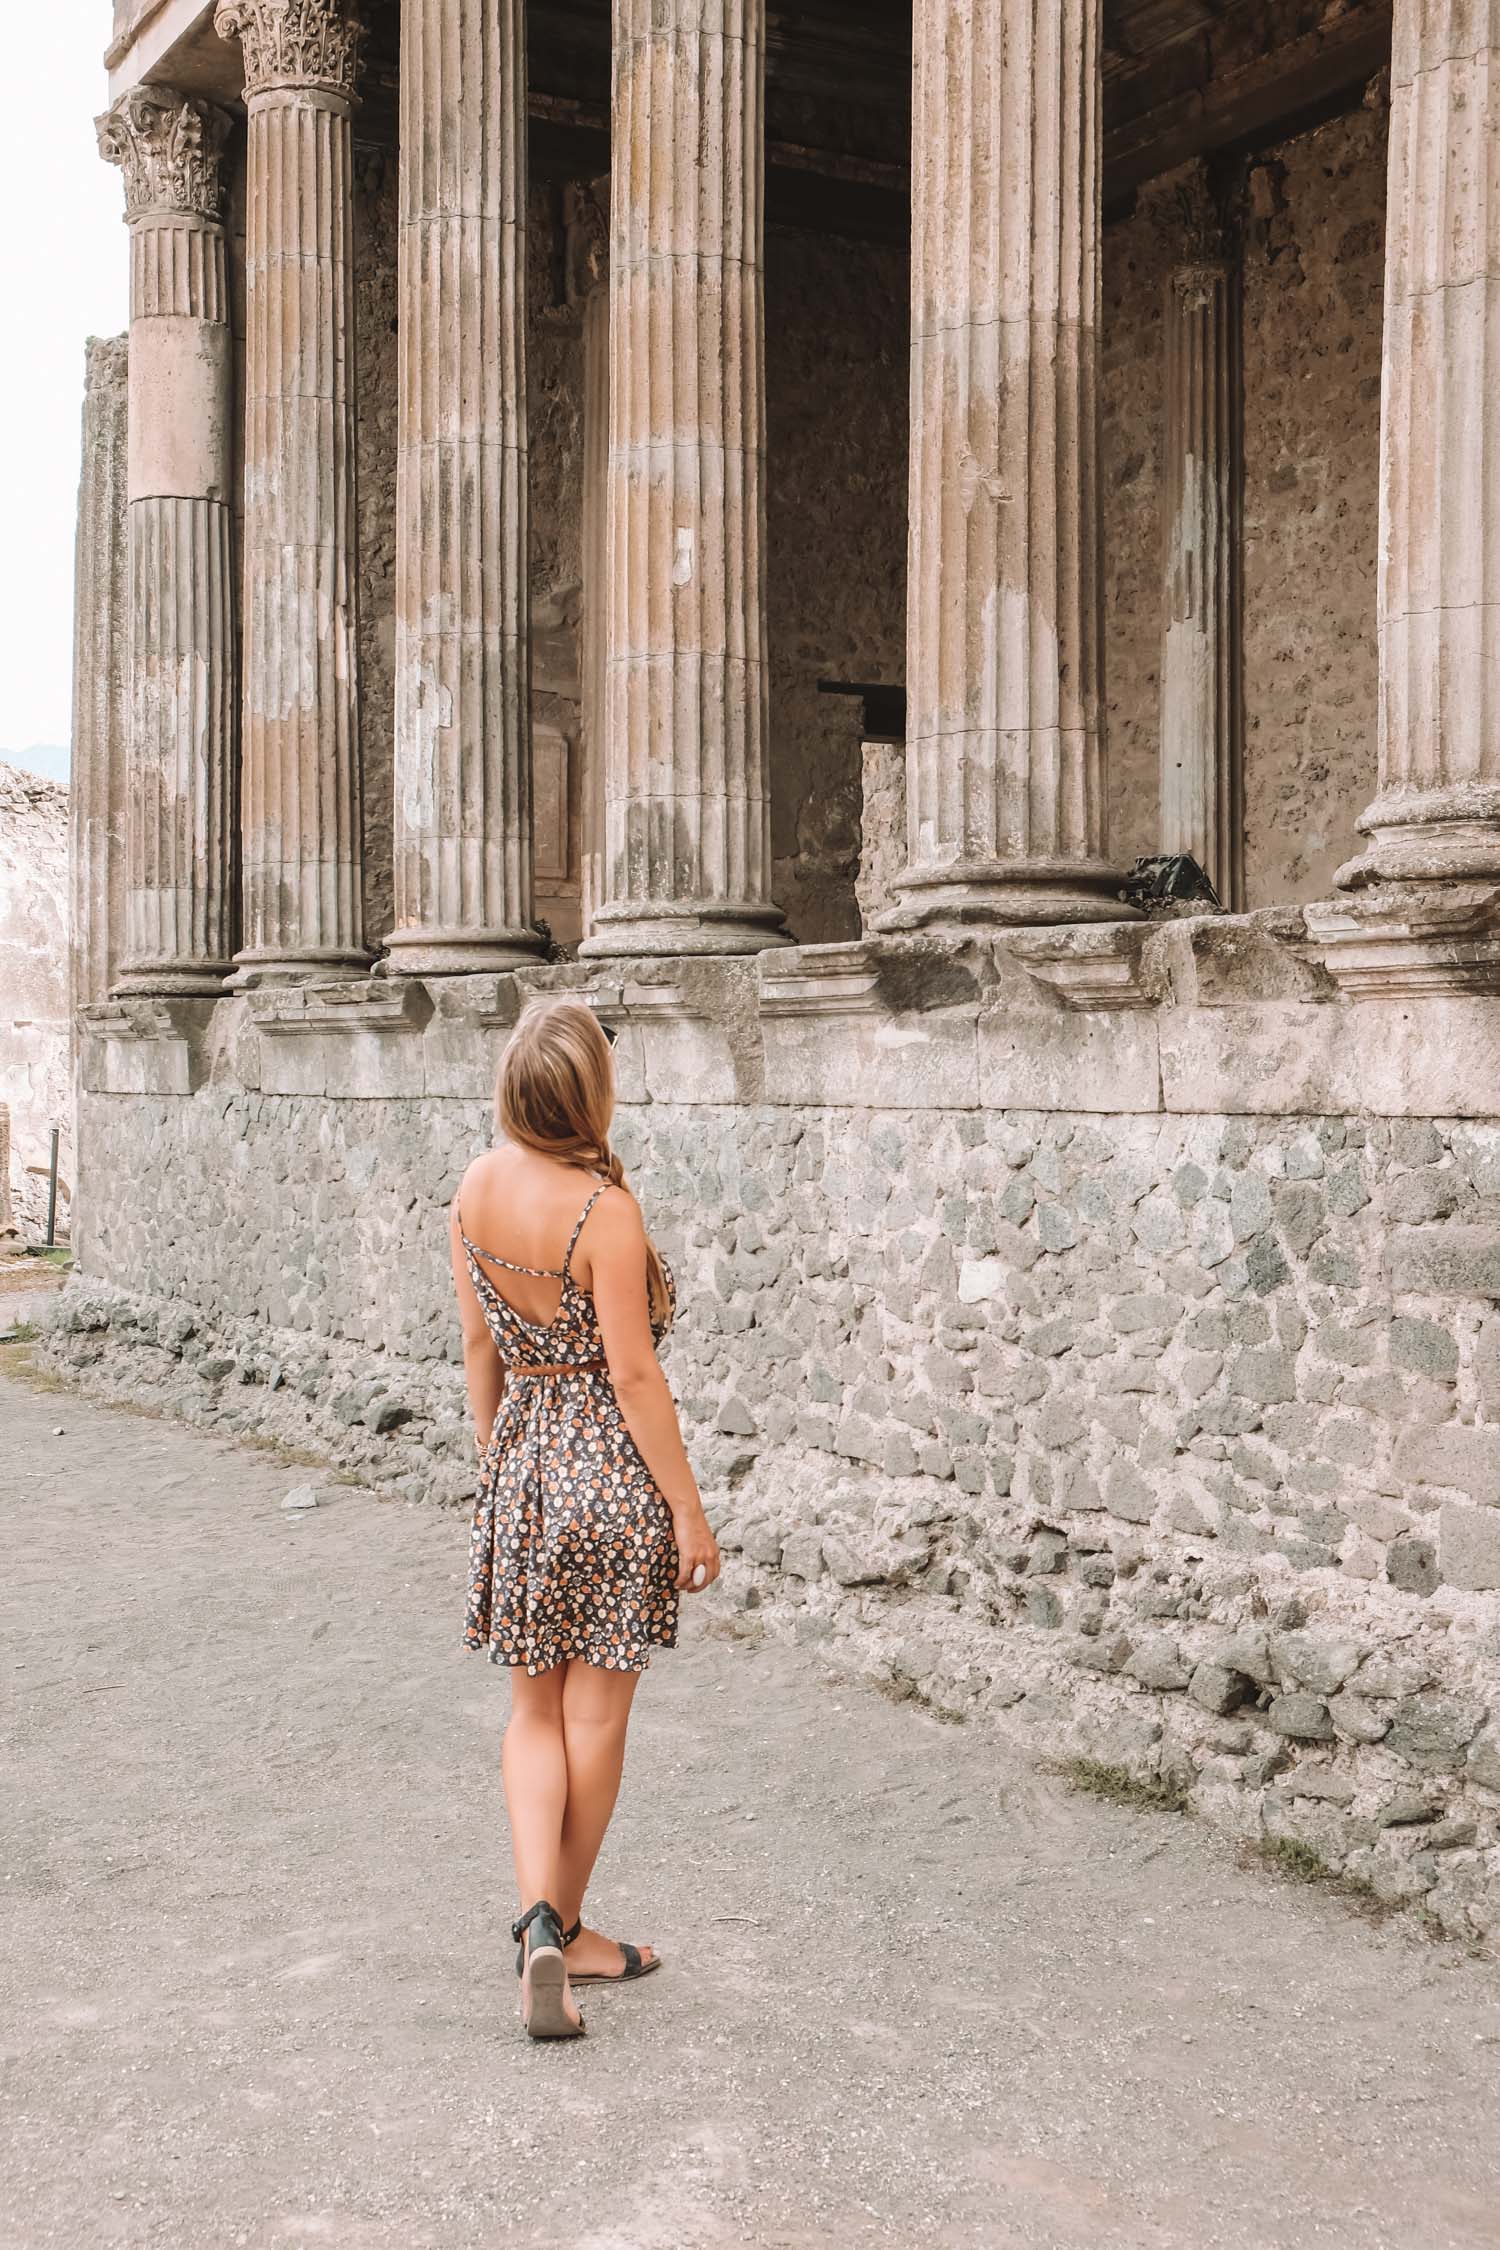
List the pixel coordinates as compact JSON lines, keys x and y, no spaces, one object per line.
{"x":170,"y":149}
{"x":311,"y":46}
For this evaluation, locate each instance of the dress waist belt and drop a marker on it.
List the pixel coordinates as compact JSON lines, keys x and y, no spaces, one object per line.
{"x":568,"y":1367}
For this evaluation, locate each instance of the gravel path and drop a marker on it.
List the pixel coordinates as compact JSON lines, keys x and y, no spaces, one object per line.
{"x":255,"y":1987}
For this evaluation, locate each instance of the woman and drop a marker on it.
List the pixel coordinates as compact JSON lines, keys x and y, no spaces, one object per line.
{"x":588,"y":1522}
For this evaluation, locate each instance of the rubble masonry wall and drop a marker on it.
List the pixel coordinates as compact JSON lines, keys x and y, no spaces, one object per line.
{"x":1168,"y":1440}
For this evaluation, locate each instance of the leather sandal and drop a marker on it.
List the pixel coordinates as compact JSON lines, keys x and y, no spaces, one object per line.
{"x":634,"y":1965}
{"x":543,"y":1974}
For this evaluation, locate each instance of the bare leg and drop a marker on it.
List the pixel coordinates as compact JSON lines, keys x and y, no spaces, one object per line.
{"x":534,"y":1766}
{"x":595,"y":1716}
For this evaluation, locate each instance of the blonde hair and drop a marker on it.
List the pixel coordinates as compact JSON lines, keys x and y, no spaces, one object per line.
{"x":556,"y":1096}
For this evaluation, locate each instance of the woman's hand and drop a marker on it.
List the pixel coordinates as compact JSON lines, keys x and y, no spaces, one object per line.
{"x":697,"y":1549}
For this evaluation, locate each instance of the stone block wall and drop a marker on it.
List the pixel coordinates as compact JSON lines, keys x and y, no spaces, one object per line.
{"x":1152,"y":1433}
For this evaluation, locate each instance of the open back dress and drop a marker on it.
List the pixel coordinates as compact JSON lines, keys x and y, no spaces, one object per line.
{"x":572,"y":1554}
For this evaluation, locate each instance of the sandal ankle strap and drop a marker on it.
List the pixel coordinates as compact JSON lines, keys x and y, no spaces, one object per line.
{"x":523,"y":1922}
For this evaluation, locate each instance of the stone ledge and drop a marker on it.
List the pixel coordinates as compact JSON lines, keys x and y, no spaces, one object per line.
{"x":1400,"y":939}
{"x":1221,"y":1015}
{"x":1098,"y":965}
{"x":146,"y":1044}
{"x":359,"y":1004}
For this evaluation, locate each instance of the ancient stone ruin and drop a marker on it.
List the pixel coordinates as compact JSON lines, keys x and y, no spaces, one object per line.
{"x":526,"y":509}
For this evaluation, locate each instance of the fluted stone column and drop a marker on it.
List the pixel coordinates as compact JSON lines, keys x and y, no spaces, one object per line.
{"x":303,"y":904}
{"x":1202,"y":728}
{"x":180,"y":757}
{"x":101,"y":680}
{"x":1437,"y":811}
{"x":688,"y":841}
{"x":1005,"y":734}
{"x":463,"y":657}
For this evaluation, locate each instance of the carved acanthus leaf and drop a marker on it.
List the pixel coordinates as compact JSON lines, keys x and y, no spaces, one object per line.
{"x":294,"y":43}
{"x":169,"y":147}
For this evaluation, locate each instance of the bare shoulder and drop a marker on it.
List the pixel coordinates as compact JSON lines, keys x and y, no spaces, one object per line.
{"x":616,"y":1222}
{"x":481,"y":1177}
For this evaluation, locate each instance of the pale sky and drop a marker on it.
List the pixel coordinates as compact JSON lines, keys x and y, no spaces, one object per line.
{"x":64,"y":275}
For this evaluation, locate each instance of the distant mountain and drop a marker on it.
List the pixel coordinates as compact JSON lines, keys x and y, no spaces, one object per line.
{"x":49,"y":758}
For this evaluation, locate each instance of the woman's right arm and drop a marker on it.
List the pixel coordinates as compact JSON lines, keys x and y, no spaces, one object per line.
{"x":616,"y":1253}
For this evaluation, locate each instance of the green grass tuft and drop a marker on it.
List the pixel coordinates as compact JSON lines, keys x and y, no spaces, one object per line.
{"x":1303,"y":1863}
{"x":1118,"y":1786}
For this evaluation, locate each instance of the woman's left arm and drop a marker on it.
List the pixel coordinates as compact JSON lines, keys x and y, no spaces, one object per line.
{"x":483,"y":1371}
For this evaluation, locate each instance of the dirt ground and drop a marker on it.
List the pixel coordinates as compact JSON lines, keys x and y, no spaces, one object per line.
{"x":255,"y":1987}
{"x":26,"y":1286}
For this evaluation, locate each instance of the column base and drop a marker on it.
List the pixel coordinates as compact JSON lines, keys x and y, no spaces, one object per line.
{"x":264,"y":965}
{"x":184,"y":980}
{"x":1428,"y":835}
{"x":1006,"y":894}
{"x":687,"y":926}
{"x":463,"y":953}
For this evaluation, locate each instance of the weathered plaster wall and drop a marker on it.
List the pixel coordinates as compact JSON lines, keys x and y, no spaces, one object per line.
{"x":375,"y":314}
{"x":554,"y":340}
{"x":1314,"y":271}
{"x":35,"y":1072}
{"x":837,"y":319}
{"x":555,"y":395}
{"x":1131,"y":388}
{"x":1313,"y":259}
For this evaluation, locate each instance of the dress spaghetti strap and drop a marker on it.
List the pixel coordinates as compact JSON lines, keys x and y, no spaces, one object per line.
{"x":567,"y":1264}
{"x":537,"y":1273}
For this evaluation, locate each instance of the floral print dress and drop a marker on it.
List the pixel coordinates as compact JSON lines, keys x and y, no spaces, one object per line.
{"x":572,"y":1553}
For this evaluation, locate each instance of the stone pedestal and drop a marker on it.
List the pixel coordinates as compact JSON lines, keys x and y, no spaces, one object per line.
{"x":303,"y":904}
{"x":463,"y":661}
{"x":180,"y":761}
{"x":687,"y":823}
{"x":101,"y":681}
{"x":1437,"y":811}
{"x":1202,"y":725}
{"x":1005,"y":733}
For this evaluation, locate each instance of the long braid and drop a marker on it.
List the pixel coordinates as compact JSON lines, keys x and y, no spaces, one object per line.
{"x":555,"y":1094}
